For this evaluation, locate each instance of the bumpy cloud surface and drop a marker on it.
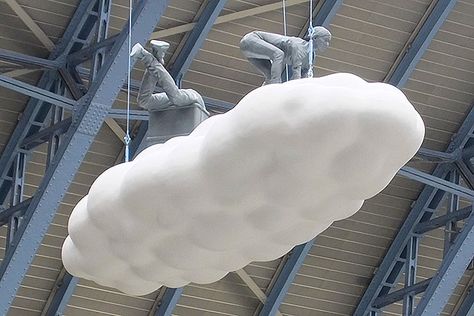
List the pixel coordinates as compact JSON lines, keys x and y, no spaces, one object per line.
{"x":245,"y":186}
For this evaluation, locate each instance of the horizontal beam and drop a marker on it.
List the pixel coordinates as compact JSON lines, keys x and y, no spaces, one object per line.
{"x":18,"y":58}
{"x":37,"y":93}
{"x":7,"y":213}
{"x":44,"y":135}
{"x":398,"y":295}
{"x":138,"y":115}
{"x":437,"y":156}
{"x":436,"y":182}
{"x":441,"y":221}
{"x":218,"y":105}
{"x":87,"y":52}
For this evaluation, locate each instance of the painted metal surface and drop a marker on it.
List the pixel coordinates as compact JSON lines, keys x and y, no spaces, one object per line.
{"x":445,"y":280}
{"x":421,"y":42}
{"x":86,"y":123}
{"x":285,"y":278}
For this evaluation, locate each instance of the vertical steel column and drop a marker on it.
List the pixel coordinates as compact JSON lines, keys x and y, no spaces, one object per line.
{"x":56,"y":116}
{"x":16,"y":196}
{"x":410,"y":274}
{"x":451,"y":228}
{"x":102,"y":32}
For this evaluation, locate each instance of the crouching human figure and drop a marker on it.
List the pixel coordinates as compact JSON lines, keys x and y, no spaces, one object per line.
{"x":269,"y":52}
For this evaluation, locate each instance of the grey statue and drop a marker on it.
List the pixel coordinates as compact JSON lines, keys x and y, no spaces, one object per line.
{"x":156,"y":74}
{"x":269,"y":52}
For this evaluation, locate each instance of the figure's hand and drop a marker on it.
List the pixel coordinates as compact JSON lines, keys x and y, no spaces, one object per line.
{"x":296,"y":72}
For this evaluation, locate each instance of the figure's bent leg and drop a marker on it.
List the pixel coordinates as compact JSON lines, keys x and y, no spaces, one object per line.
{"x":253,"y":47}
{"x":187,"y":97}
{"x":146,"y":98}
{"x":262,"y":65}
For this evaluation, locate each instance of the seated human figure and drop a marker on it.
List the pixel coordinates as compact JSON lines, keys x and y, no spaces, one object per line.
{"x":269,"y":52}
{"x":157,"y":75}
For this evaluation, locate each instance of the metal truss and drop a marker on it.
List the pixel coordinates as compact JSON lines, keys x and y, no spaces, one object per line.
{"x":26,"y":230}
{"x":61,"y":89}
{"x":402,"y":254}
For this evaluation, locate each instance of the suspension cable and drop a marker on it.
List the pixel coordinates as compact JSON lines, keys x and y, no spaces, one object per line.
{"x":285,"y":32}
{"x":310,"y":33}
{"x":127,"y":135}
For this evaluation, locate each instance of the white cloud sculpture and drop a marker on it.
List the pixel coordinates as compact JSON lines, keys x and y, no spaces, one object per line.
{"x":245,"y":186}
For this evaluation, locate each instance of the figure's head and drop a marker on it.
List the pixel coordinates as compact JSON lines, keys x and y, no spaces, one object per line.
{"x":321,"y":37}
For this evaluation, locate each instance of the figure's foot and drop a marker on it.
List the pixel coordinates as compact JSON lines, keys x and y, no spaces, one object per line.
{"x":137,"y":51}
{"x":159,"y":49}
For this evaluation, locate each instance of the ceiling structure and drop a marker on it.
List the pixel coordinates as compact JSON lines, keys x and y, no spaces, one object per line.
{"x":63,"y":67}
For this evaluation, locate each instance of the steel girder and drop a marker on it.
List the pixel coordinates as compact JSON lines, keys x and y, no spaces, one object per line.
{"x":30,"y":61}
{"x":66,"y":283}
{"x":87,"y":119}
{"x":37,"y":110}
{"x":196,"y":38}
{"x":285,"y":278}
{"x":168,"y":302}
{"x":467,"y":306}
{"x":421,"y":42}
{"x":452,"y":268}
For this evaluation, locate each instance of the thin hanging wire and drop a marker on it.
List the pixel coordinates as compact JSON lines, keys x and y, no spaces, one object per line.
{"x":285,"y":33}
{"x":127,"y":135}
{"x":310,"y":33}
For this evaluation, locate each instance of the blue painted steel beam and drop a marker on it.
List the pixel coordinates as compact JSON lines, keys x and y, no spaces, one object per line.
{"x":7,"y":213}
{"x":44,"y":135}
{"x":437,"y":156}
{"x":30,"y":61}
{"x":285,"y":278}
{"x":467,"y":306}
{"x":400,"y":294}
{"x":436,"y":182}
{"x":169,"y":301}
{"x":86,"y":124}
{"x":61,"y":297}
{"x":421,"y":42}
{"x":327,"y":12}
{"x":196,"y":38}
{"x":35,"y":92}
{"x":441,"y":221}
{"x":87,"y":52}
{"x":452,"y":269}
